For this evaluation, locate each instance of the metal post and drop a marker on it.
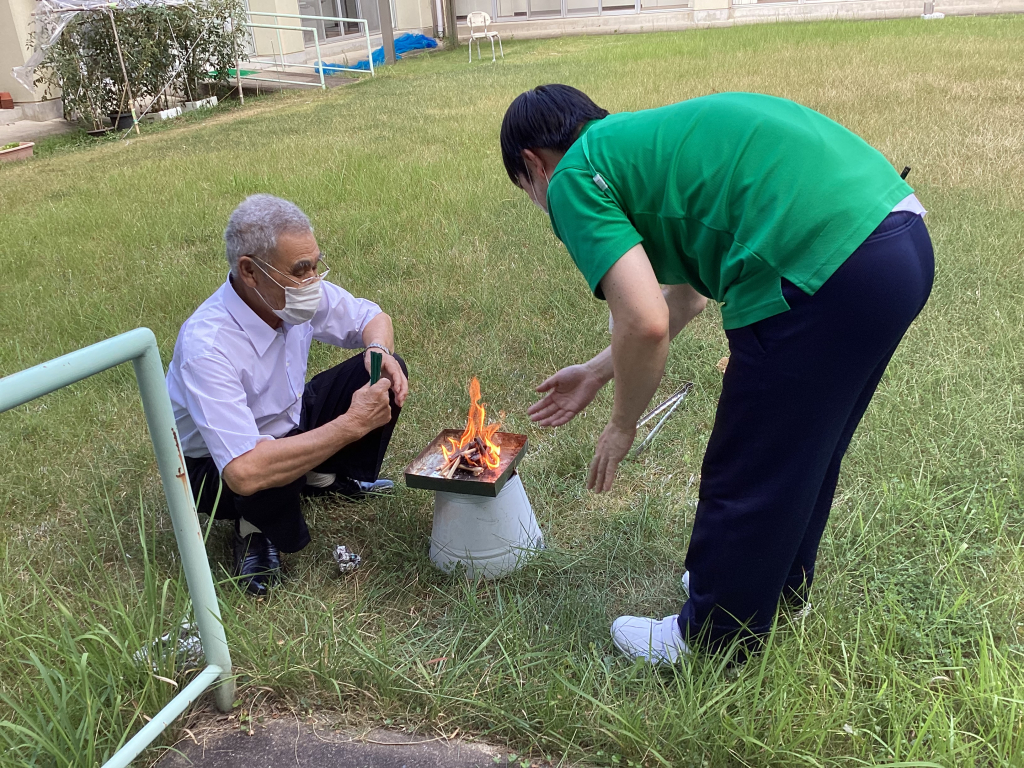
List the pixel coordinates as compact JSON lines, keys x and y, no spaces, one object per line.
{"x":319,"y":60}
{"x":238,"y":66}
{"x":451,"y":25}
{"x":435,"y":23}
{"x":387,"y":31}
{"x":369,"y":49}
{"x":280,"y":47}
{"x":124,"y":756}
{"x":171,"y":461}
{"x":139,"y":346}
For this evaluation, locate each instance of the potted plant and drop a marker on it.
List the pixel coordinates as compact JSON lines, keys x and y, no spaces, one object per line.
{"x":165,"y":57}
{"x":16,"y":150}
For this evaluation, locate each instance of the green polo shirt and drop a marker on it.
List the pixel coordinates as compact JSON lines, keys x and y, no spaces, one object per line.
{"x":727,"y":193}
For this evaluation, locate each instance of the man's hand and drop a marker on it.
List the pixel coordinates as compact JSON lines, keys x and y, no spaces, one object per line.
{"x":612,"y":448}
{"x":391,"y":370}
{"x":569,"y":391}
{"x":370,"y":407}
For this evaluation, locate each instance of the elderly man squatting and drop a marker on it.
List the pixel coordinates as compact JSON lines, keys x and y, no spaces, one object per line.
{"x":246,"y":415}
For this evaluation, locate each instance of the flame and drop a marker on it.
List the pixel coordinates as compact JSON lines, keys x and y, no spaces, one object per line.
{"x":475,"y":427}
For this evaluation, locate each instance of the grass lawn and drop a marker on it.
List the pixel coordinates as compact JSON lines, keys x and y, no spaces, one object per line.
{"x":914,"y":655}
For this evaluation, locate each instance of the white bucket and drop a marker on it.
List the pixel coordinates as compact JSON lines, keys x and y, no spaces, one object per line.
{"x":491,"y":536}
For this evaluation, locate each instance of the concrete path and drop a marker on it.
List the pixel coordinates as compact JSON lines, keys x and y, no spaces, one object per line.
{"x":33,"y":130}
{"x":288,"y":743}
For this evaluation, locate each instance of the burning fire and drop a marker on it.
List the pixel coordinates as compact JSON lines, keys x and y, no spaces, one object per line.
{"x":475,"y":448}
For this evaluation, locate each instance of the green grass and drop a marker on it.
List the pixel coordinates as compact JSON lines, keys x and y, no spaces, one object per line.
{"x":915,"y":653}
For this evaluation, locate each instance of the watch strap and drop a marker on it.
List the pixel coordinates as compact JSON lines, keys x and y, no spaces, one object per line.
{"x":379,"y":346}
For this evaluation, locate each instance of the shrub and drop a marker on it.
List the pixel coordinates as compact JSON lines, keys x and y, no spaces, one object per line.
{"x":169,"y":51}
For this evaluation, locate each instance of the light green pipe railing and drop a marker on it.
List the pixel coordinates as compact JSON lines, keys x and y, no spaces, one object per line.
{"x":139,"y":347}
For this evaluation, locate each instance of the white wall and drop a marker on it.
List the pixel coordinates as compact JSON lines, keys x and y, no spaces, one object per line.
{"x":16,"y":23}
{"x":267,"y":39}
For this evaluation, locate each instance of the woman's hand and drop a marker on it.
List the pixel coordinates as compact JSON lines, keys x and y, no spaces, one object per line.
{"x":568,"y":392}
{"x":612,"y":448}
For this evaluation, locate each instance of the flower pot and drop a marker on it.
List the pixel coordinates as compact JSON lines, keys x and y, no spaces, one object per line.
{"x":190,"y":106}
{"x":21,"y":152}
{"x":121,"y":121}
{"x":166,"y":114}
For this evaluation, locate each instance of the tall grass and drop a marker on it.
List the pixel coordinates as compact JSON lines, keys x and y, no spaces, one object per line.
{"x":913,"y":655}
{"x":74,"y":684}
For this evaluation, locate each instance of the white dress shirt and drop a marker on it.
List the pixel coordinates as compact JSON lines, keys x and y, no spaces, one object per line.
{"x":234,"y":381}
{"x":910,"y":203}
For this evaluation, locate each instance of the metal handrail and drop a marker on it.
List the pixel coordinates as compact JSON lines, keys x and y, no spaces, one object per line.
{"x":139,"y":347}
{"x":362,"y":22}
{"x":280,"y":45}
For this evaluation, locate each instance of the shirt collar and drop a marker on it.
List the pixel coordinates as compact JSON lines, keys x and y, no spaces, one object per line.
{"x":260,"y":334}
{"x":586,"y":127}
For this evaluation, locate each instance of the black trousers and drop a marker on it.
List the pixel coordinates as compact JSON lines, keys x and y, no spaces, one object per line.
{"x":795,"y":390}
{"x":277,"y":511}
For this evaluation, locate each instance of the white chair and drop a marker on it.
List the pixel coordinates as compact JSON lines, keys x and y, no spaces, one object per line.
{"x":481,"y":19}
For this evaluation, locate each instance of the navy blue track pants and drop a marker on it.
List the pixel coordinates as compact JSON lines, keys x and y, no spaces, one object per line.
{"x":796,"y":388}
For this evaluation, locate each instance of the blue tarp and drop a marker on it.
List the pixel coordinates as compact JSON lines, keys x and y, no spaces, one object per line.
{"x":403,"y":44}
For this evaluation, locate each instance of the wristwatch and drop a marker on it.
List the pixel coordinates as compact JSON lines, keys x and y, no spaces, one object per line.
{"x":380,"y":346}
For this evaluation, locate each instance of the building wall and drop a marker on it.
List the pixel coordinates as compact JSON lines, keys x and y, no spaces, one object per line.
{"x":267,"y":42}
{"x":16,"y":24}
{"x":722,"y":13}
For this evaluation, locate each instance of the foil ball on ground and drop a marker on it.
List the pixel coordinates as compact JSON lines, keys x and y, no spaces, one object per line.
{"x":347,"y":561}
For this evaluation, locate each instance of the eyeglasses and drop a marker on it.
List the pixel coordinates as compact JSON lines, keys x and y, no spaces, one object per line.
{"x":317,"y":272}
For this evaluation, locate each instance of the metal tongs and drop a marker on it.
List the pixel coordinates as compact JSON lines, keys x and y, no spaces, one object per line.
{"x":670,"y":405}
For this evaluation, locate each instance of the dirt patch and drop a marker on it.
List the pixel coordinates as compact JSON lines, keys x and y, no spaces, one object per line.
{"x":287,"y":742}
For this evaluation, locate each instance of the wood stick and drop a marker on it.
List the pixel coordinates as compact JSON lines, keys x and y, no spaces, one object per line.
{"x":470,"y":458}
{"x":452,"y":460}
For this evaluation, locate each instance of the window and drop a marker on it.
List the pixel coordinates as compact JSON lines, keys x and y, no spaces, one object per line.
{"x":465,"y":7}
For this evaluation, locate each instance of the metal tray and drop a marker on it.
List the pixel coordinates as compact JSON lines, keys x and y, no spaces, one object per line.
{"x":422,"y":471}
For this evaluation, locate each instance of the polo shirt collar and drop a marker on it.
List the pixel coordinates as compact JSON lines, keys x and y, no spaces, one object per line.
{"x":260,"y":334}
{"x":586,"y":127}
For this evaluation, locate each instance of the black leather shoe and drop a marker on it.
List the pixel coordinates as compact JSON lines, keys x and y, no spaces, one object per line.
{"x":257,"y":563}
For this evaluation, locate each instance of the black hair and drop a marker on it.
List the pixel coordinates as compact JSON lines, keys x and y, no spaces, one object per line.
{"x":548,"y":117}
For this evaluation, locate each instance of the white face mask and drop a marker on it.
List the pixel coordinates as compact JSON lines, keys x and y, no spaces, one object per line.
{"x":541,"y":201}
{"x":300,"y":304}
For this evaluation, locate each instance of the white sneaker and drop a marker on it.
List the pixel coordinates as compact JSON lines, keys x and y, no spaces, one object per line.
{"x":660,"y":642}
{"x":797,"y":615}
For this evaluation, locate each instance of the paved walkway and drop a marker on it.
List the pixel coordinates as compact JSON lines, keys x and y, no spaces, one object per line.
{"x":33,"y":130}
{"x":286,"y":743}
